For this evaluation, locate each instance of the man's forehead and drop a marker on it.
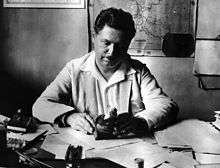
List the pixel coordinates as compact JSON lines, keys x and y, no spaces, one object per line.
{"x":112,"y":33}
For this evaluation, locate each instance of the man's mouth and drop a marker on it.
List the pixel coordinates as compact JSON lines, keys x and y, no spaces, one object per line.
{"x":107,"y":60}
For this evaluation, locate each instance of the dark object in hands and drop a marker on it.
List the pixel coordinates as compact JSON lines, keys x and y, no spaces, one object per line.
{"x":122,"y":126}
{"x":22,"y":123}
{"x":105,"y":127}
{"x":128,"y":126}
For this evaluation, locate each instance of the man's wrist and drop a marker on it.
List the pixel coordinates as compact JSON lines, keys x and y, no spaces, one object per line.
{"x":62,"y":121}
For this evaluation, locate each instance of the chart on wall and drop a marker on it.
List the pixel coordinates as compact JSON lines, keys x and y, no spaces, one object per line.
{"x":153,"y":20}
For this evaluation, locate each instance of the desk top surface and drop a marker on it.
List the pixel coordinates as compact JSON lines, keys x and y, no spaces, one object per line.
{"x":200,"y":136}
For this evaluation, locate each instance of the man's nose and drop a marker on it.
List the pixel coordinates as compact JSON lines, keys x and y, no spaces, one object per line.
{"x":110,"y":49}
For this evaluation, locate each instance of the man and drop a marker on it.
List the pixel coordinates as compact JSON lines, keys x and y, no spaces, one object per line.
{"x":107,"y":80}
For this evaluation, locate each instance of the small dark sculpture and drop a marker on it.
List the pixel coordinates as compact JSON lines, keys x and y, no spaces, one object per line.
{"x":111,"y":127}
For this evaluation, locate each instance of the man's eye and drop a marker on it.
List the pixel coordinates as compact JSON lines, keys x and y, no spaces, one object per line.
{"x":106,"y":43}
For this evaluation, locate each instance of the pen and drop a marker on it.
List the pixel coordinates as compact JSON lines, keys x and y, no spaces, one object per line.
{"x":33,"y":142}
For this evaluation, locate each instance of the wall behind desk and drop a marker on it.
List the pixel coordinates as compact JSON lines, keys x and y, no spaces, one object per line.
{"x":36,"y":44}
{"x":175,"y":76}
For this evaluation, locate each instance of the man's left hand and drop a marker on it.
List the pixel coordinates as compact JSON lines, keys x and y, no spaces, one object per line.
{"x":133,"y":127}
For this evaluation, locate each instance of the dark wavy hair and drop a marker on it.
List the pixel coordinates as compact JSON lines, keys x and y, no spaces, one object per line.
{"x":117,"y":19}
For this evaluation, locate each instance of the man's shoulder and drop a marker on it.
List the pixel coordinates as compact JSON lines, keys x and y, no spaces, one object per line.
{"x":138,"y":65}
{"x":76,"y":63}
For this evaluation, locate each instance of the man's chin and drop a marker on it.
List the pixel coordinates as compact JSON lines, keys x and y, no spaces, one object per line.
{"x":110,"y":66}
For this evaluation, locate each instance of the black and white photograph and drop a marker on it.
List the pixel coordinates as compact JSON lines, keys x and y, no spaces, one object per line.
{"x":110,"y":84}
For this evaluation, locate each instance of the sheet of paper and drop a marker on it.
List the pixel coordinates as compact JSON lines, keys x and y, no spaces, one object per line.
{"x":216,"y":165}
{"x":56,"y":146}
{"x":200,"y":135}
{"x":153,"y":155}
{"x":178,"y":159}
{"x":31,"y":136}
{"x":166,"y":165}
{"x":58,"y":143}
{"x":203,"y":158}
{"x":71,"y":136}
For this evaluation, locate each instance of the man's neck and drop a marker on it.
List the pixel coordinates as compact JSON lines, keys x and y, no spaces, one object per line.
{"x":107,"y":74}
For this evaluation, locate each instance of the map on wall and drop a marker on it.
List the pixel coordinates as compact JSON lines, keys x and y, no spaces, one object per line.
{"x":153,"y":19}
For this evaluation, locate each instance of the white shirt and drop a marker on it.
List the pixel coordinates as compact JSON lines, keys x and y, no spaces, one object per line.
{"x":132,"y":88}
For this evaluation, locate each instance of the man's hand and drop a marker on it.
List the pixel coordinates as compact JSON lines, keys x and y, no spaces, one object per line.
{"x":81,"y":122}
{"x":131,"y":127}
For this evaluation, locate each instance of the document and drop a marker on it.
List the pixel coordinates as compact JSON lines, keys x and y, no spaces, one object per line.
{"x":88,"y":141}
{"x":58,"y":143}
{"x":55,"y":145}
{"x":200,"y":135}
{"x":204,"y":158}
{"x":153,"y":155}
{"x":31,"y":136}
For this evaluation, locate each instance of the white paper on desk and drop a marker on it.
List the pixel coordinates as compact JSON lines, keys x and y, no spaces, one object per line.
{"x":31,"y":136}
{"x":180,"y":160}
{"x":58,"y":143}
{"x":166,"y":165}
{"x":200,"y":135}
{"x":153,"y":155}
{"x":72,"y":136}
{"x":55,"y":145}
{"x":203,"y":158}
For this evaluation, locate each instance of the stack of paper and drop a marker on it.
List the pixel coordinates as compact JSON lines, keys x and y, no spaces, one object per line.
{"x":153,"y":155}
{"x":58,"y":143}
{"x":200,"y":135}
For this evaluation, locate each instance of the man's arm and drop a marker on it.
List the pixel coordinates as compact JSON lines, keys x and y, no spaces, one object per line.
{"x":154,"y":109}
{"x":54,"y":101}
{"x":53,"y":104}
{"x":160,"y":110}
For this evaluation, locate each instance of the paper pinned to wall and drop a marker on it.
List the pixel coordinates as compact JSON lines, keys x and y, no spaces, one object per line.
{"x":207,"y":57}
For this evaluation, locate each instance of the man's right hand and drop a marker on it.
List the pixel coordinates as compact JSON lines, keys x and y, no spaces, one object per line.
{"x":81,"y":122}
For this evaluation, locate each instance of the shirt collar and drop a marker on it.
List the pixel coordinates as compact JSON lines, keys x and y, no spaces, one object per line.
{"x":119,"y":75}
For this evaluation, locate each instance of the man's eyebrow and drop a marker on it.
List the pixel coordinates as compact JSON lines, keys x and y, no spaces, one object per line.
{"x":105,"y":40}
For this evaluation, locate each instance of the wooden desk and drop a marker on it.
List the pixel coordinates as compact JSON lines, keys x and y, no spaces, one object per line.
{"x":124,"y":154}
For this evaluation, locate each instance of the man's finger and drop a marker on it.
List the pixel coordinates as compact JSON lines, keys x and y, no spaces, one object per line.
{"x":90,"y":120}
{"x":79,"y":128}
{"x":84,"y":123}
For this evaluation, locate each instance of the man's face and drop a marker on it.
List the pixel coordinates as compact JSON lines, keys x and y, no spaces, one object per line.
{"x":111,"y":46}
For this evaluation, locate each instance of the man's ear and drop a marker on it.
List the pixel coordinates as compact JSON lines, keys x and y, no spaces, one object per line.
{"x":93,"y":37}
